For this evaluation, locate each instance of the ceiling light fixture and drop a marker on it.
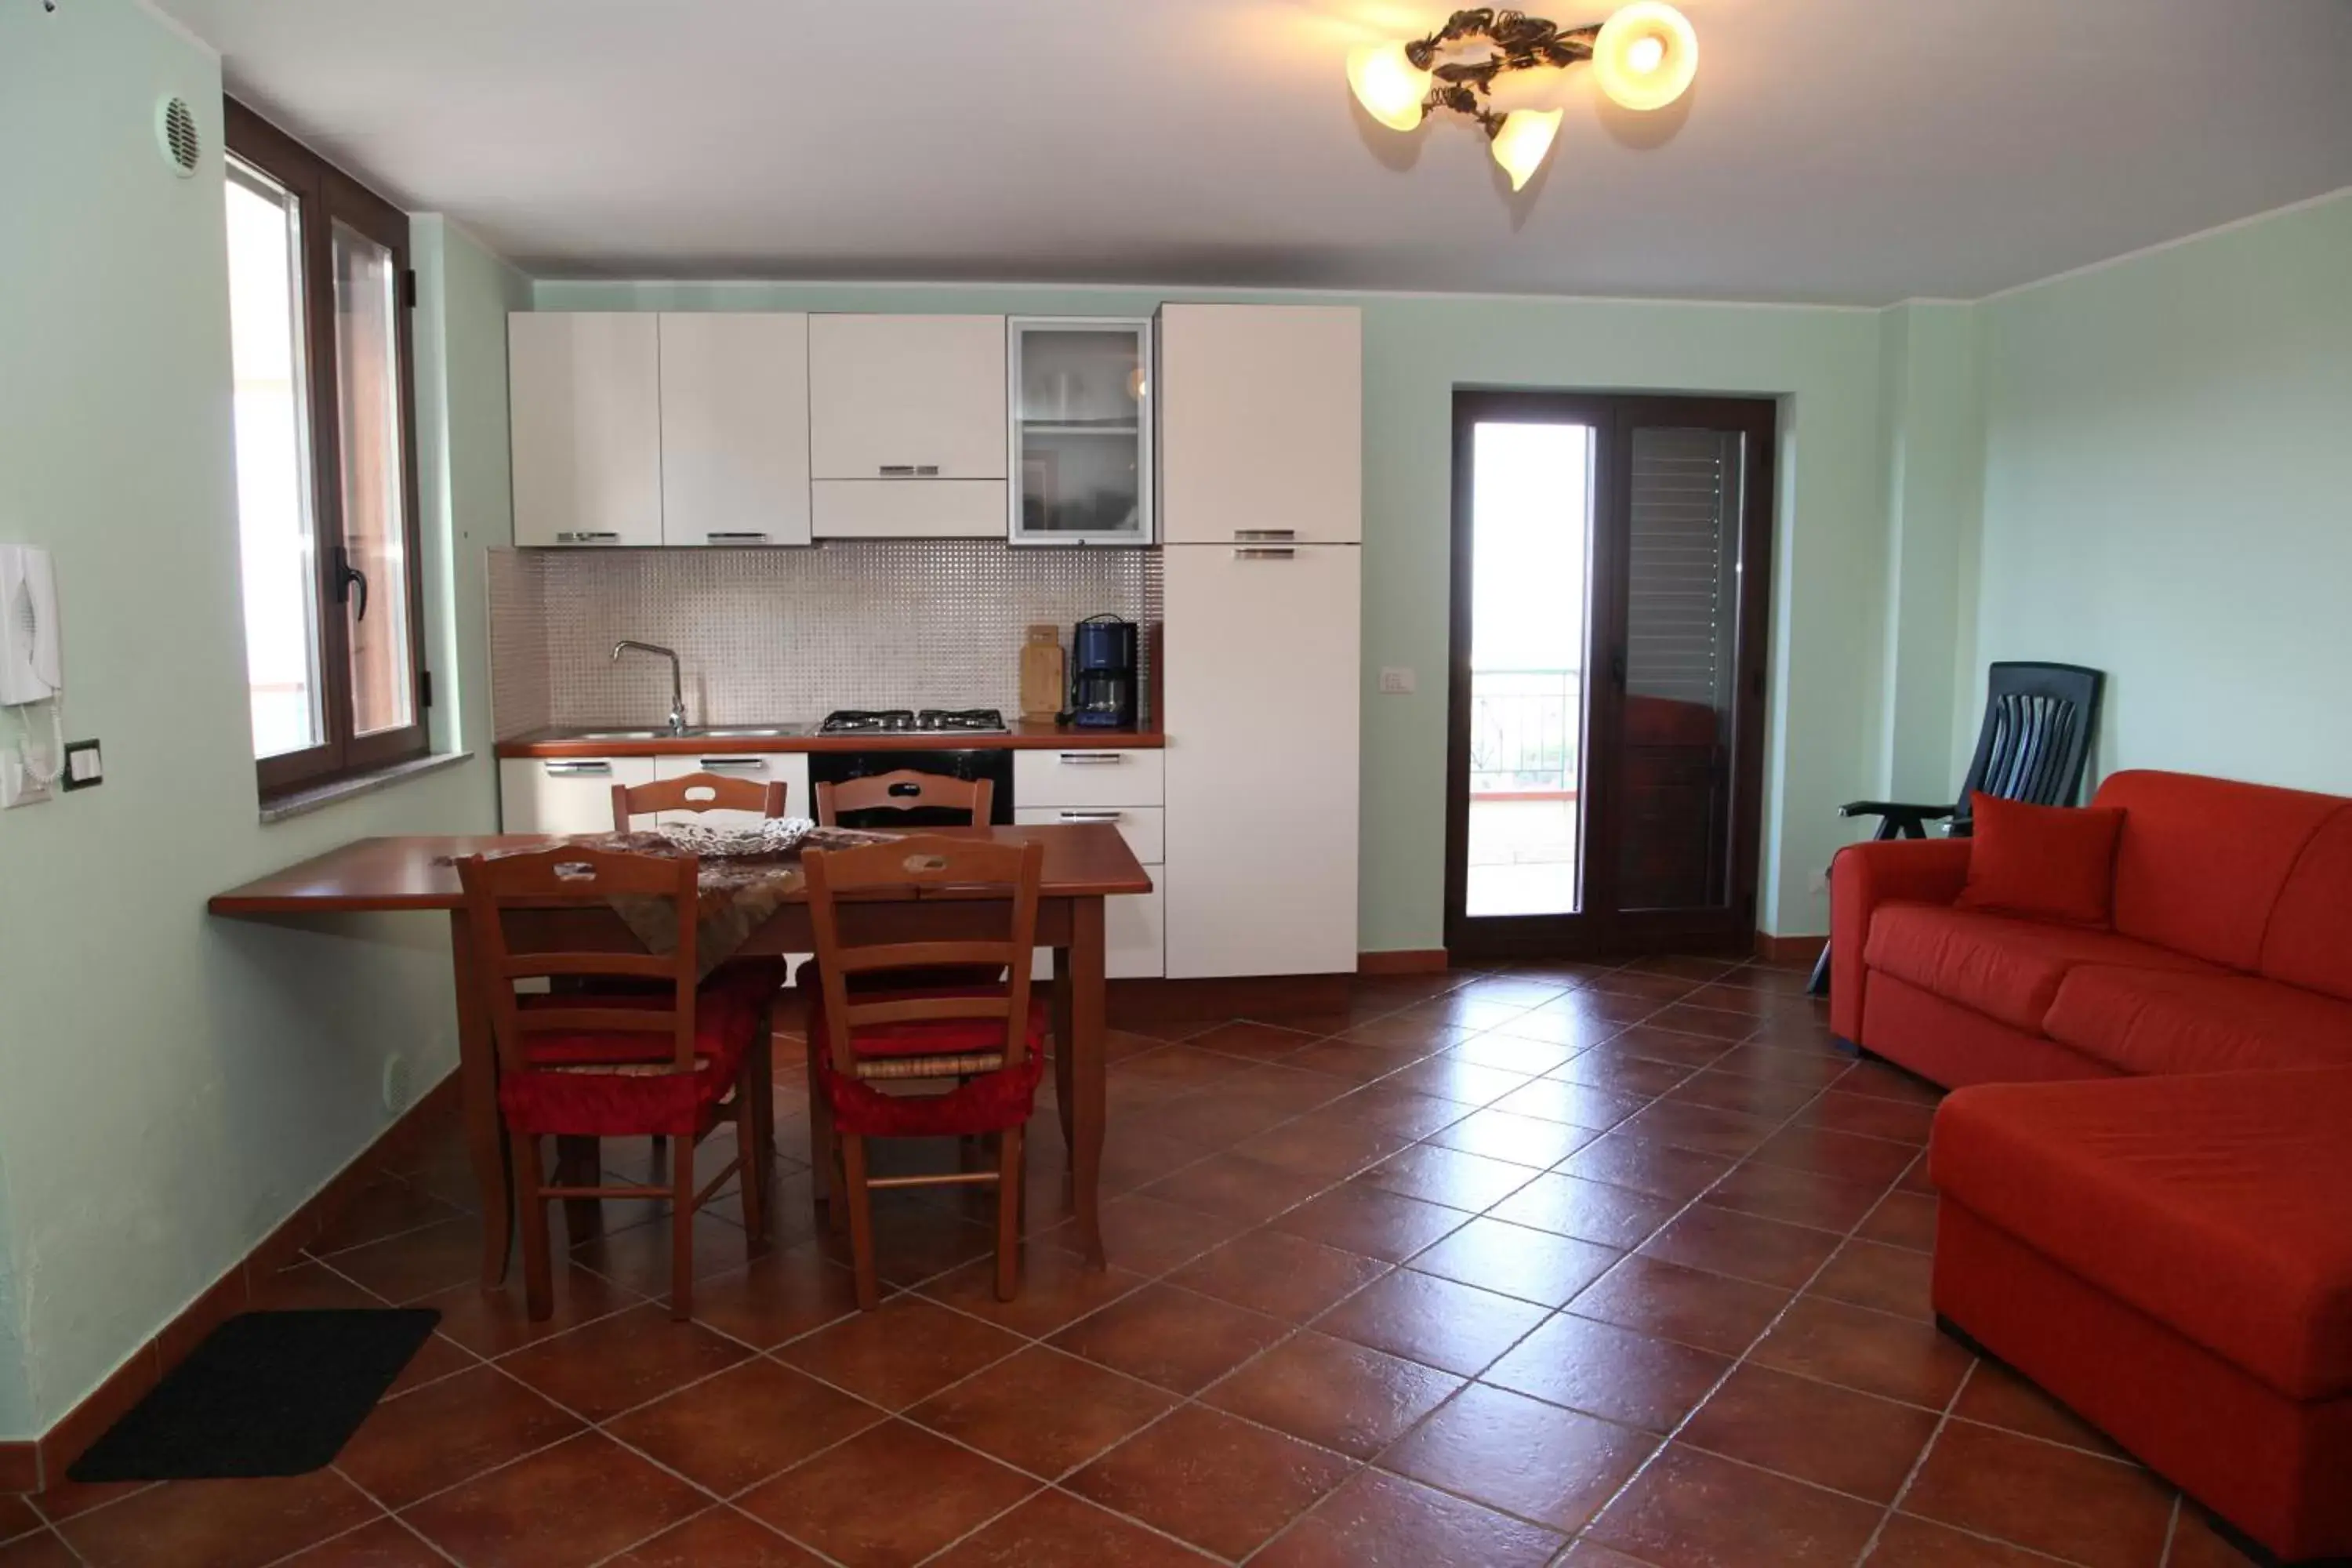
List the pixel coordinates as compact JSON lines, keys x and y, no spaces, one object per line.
{"x":1644,"y":58}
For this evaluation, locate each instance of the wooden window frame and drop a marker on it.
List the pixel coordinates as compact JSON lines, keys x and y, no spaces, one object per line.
{"x":327,"y":197}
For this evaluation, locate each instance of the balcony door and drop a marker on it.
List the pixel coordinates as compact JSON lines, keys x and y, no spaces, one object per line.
{"x":1611,"y":557}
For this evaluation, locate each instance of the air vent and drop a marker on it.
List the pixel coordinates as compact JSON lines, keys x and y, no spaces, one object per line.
{"x":175,"y":130}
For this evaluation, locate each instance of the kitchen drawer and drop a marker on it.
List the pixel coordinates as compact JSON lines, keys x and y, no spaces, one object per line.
{"x":1138,"y":825}
{"x":565,"y":794}
{"x":906,"y":508}
{"x":1134,"y":939}
{"x":760,"y":767}
{"x":1080,"y":774}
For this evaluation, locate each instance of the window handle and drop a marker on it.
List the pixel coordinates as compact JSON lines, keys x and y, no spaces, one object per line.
{"x":348,"y":577}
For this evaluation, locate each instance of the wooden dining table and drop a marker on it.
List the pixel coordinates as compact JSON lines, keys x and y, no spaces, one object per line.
{"x":1085,"y":864}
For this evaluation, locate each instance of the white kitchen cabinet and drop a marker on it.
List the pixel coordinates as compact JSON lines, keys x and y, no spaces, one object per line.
{"x":908,"y":398}
{"x":761,"y":767}
{"x":1261,"y":424}
{"x":565,"y":794}
{"x":734,"y":428}
{"x":1080,"y":388}
{"x":1080,"y":774}
{"x":1143,"y":827}
{"x":1264,"y":737}
{"x":584,"y":420}
{"x":906,"y":508}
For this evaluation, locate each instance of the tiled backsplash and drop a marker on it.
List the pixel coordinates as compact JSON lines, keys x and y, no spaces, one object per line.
{"x":786,"y":635}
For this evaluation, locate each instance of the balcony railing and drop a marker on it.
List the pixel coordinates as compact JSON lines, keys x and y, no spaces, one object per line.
{"x":1525,"y":725}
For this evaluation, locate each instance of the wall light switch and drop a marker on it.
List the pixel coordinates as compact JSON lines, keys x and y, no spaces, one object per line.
{"x":1397,"y":682}
{"x":85,"y":766}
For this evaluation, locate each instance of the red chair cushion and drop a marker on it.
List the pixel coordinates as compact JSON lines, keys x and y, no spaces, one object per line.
{"x":2045,"y":862}
{"x":619,"y":1084}
{"x":2003,"y":967}
{"x":2143,"y":1021}
{"x":2201,"y":861}
{"x":2220,"y":1204}
{"x":2308,"y":942}
{"x":720,"y":1004}
{"x":984,"y":1102}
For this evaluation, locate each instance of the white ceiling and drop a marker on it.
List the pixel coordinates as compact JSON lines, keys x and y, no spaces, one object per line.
{"x":1847,"y":151}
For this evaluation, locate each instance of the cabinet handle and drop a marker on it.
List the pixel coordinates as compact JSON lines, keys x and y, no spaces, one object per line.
{"x":736,"y":537}
{"x":1264,"y":535}
{"x":1094,"y":816}
{"x":1264,"y":552}
{"x":897,"y":470}
{"x":734,"y":764}
{"x":587,"y":536}
{"x":927,"y":470}
{"x":579,"y":770}
{"x":1093,"y":757}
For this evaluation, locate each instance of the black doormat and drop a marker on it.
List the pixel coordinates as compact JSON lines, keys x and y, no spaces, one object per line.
{"x":268,"y":1393}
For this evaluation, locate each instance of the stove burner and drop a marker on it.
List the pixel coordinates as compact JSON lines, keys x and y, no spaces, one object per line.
{"x":978,"y":720}
{"x":907,"y":722}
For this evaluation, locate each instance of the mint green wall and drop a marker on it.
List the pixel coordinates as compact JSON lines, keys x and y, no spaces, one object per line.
{"x":1828,"y":634}
{"x":2165,"y":495}
{"x":172,"y":1087}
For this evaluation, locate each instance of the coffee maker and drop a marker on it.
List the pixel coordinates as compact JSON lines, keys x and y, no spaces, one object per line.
{"x":1103,"y":680}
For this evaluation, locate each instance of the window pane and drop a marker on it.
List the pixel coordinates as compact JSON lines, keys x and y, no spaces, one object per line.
{"x":278,"y":535}
{"x":375,"y":521}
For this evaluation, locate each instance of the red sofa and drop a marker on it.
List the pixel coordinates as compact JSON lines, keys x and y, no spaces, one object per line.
{"x":2232,"y":947}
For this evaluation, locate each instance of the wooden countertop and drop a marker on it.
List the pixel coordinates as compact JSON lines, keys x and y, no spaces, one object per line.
{"x":1082,"y":860}
{"x":1023,"y":736}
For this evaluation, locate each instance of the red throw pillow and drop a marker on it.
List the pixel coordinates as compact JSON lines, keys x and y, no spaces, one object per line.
{"x":2049,"y":862}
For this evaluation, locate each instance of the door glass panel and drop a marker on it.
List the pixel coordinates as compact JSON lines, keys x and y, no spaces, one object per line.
{"x":1082,"y":415}
{"x":1682,"y":598}
{"x":1531,"y":521}
{"x":375,"y":521}
{"x":276,"y":532}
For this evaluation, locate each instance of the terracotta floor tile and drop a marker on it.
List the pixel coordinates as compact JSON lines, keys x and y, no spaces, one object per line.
{"x":1713,"y":1023}
{"x":743,"y":1426}
{"x":1696,"y":968}
{"x":1324,"y":1143}
{"x":1888,"y":1081}
{"x":17,"y":1517}
{"x":1592,"y":1555}
{"x":1434,"y":1322}
{"x":69,"y":1498}
{"x":1135,"y":1158}
{"x":1815,"y":1064}
{"x":1618,"y":1072}
{"x":1795,"y":1196}
{"x":1179,"y":1066}
{"x":1387,"y":1104}
{"x":722,"y":1536}
{"x":1148,"y":1237}
{"x":1775,"y":1099}
{"x":408,"y":1448}
{"x":2197,"y":1544}
{"x":220,"y":1525}
{"x":1891,"y":1279}
{"x":1464,"y":1083}
{"x":1056,"y":1530}
{"x":1746,"y":1247}
{"x":439,"y":1357}
{"x":1525,"y":1457}
{"x":1468,"y":1012}
{"x":1332,"y":1393}
{"x":1653,"y":1044}
{"x":1856,"y":1348}
{"x":1352,"y":1061}
{"x":913,"y":1240}
{"x":1538,"y":1044}
{"x":619,"y":1363}
{"x":1691,"y":1508}
{"x":1499,"y":1134}
{"x":1613,"y":1372}
{"x":1514,"y":1260}
{"x":1208,"y":1479}
{"x":382,"y":1209}
{"x":416,"y":1263}
{"x":1448,"y":1176}
{"x":44,"y":1549}
{"x":308,"y":1284}
{"x":1711,"y":1311}
{"x":1361,"y":1217}
{"x":1661,"y":1170}
{"x":889,"y":1497}
{"x":490,"y":1323}
{"x":575,"y":1503}
{"x":1902,"y":1219}
{"x":1379,"y":1521}
{"x":2061,"y":1500}
{"x":1425,"y":1035}
{"x":386,"y":1543}
{"x":1171,"y":1337}
{"x":1845,"y":1155}
{"x":1237,"y":1188}
{"x":1556,"y":1099}
{"x":1568,"y":1025}
{"x":1056,"y":1288}
{"x":1703,"y":1128}
{"x":1258,"y":1042}
{"x":1281,"y":1275}
{"x":779,"y":1296}
{"x":1830,"y":1436}
{"x":637,"y":1256}
{"x":907,"y":1350}
{"x":1589,"y":1211}
{"x":1997,"y":1396}
{"x":1898,"y":1121}
{"x":1908,"y":1543}
{"x":1043,"y":1411}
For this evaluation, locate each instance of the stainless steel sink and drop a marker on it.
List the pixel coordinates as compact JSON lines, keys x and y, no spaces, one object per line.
{"x":748,"y":731}
{"x":620,"y":735}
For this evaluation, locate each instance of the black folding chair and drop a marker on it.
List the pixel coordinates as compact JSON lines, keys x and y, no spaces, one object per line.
{"x":2032,"y":747}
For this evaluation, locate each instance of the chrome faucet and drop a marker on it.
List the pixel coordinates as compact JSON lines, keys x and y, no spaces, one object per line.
{"x":676,"y":682}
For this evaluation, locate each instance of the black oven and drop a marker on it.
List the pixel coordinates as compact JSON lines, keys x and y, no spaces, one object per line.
{"x":993,"y":764}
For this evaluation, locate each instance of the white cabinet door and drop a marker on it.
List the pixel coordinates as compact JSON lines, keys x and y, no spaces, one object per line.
{"x":1261,"y":423}
{"x":583,"y":394}
{"x":760,"y":767}
{"x":550,"y":794}
{"x":908,"y":508}
{"x":908,"y":397}
{"x":1143,"y":827}
{"x":1080,"y":774}
{"x":1264,"y":728}
{"x":734,"y":428}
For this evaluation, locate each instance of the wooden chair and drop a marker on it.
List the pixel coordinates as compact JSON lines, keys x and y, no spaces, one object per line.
{"x":696,"y":792}
{"x":665,"y":1056}
{"x":990,"y":1038}
{"x":904,"y":791}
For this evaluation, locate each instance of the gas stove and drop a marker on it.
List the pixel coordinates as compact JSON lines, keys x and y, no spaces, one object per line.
{"x":913,"y":722}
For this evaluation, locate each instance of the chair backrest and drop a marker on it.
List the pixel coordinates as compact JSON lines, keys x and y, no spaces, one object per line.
{"x":2039,"y":721}
{"x":573,"y":877}
{"x":696,"y":792}
{"x":976,"y":869}
{"x":904,"y":791}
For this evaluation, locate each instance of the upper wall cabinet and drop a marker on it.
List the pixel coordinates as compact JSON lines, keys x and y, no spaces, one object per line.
{"x":735,"y":428}
{"x":904,"y":397}
{"x":1081,"y":394}
{"x":584,"y":394}
{"x":1261,"y":424}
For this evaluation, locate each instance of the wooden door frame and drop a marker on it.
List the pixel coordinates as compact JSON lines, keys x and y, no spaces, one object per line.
{"x":1599,"y":928}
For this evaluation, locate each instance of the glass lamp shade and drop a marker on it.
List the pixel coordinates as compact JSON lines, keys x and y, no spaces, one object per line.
{"x":1646,"y":55}
{"x":1520,"y":144}
{"x":1389,"y":86}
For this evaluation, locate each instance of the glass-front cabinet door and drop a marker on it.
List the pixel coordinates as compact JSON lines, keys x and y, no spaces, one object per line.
{"x":1081,"y":400}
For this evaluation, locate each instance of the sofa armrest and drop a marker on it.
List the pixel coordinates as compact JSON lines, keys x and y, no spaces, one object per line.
{"x":1862,"y":877}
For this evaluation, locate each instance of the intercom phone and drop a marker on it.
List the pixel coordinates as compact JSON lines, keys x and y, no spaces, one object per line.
{"x":32,"y":660}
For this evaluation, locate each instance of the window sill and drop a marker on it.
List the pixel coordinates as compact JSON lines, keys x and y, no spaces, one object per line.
{"x":300,"y":802}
